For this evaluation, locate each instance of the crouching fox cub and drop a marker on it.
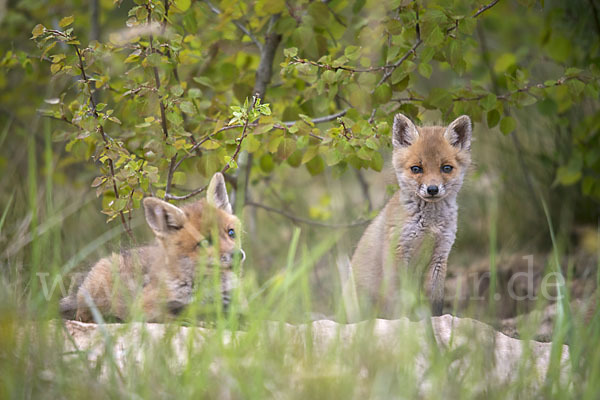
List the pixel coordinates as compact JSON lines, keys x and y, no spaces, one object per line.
{"x":430,"y":164}
{"x":158,"y":280}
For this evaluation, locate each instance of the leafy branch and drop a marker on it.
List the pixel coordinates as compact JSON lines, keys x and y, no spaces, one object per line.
{"x":69,"y":39}
{"x":242,"y":117}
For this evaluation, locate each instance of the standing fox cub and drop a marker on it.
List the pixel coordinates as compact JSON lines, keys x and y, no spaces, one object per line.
{"x":430,"y":164}
{"x":158,"y":280}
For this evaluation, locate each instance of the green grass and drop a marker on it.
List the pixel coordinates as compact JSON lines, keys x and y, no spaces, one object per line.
{"x":265,"y":359}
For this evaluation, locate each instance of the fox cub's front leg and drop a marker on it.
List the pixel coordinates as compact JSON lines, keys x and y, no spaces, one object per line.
{"x":434,"y":285}
{"x":436,"y":273}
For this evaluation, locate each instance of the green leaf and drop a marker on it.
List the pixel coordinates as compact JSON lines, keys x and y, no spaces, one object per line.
{"x":425,"y":70}
{"x":572,"y":71}
{"x":333,"y":157}
{"x":99,"y":180}
{"x":38,"y":30}
{"x":315,"y":166}
{"x":179,"y":178}
{"x":364,"y":154}
{"x":177,"y":90}
{"x":493,"y":117}
{"x":507,"y":125}
{"x":251,"y":144}
{"x":203,"y":80}
{"x":435,"y":38}
{"x":352,"y":52}
{"x":290,"y":52}
{"x":372,"y":143}
{"x":504,"y":62}
{"x":439,"y":98}
{"x":377,"y":161}
{"x":382,"y":94}
{"x":266,"y":163}
{"x":187,"y":107}
{"x":488,"y":102}
{"x":286,"y":147}
{"x":295,"y":159}
{"x":569,"y":174}
{"x":66,"y":21}
{"x":153,"y":59}
{"x":182,"y":5}
{"x":310,"y":153}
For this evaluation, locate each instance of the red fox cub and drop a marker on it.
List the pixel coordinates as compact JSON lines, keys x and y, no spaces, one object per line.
{"x":430,"y":164}
{"x":158,"y":280}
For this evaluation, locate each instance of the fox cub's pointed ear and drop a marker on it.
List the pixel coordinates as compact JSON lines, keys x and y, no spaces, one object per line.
{"x":217,"y":193}
{"x":404,"y":132}
{"x":458,"y":133}
{"x":163,"y":217}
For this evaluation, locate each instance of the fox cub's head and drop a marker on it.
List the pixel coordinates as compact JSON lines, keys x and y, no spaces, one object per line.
{"x":431,"y":162}
{"x":202,"y":232}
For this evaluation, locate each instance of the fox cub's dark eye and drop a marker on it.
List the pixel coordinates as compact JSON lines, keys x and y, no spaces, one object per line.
{"x":447,"y":168}
{"x":416,"y":169}
{"x":231,"y":233}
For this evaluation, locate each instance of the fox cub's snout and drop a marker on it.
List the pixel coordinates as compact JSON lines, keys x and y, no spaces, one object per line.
{"x":431,"y":164}
{"x":196,"y":240}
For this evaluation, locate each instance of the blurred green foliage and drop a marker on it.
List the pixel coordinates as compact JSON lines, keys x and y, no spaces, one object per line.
{"x":167,"y":100}
{"x":150,"y":100}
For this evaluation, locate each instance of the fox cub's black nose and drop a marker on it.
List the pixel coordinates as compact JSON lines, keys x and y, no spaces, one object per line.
{"x":432,"y":190}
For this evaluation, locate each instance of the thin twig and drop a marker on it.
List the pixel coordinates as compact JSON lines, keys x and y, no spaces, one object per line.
{"x":238,"y":24}
{"x":391,"y":70}
{"x":104,"y":137}
{"x":304,"y":220}
{"x":163,"y":116}
{"x":320,"y":120}
{"x":169,"y":196}
{"x":485,"y":8}
{"x":506,"y":96}
{"x":242,"y":136}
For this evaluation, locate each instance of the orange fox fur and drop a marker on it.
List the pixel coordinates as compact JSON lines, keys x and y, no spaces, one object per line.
{"x":430,"y":164}
{"x":158,"y":279}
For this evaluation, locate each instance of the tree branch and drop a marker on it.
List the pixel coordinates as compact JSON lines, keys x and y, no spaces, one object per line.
{"x":169,"y":196}
{"x":485,"y":8}
{"x":267,"y":54}
{"x":283,"y":126}
{"x":163,"y":116}
{"x":320,"y":120}
{"x":100,"y":129}
{"x":304,"y":220}
{"x":390,"y":71}
{"x":389,"y":68}
{"x":505,"y":96}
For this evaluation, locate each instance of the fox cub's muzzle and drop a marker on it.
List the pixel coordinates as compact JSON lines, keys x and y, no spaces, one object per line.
{"x":228,"y":258}
{"x":432,"y":192}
